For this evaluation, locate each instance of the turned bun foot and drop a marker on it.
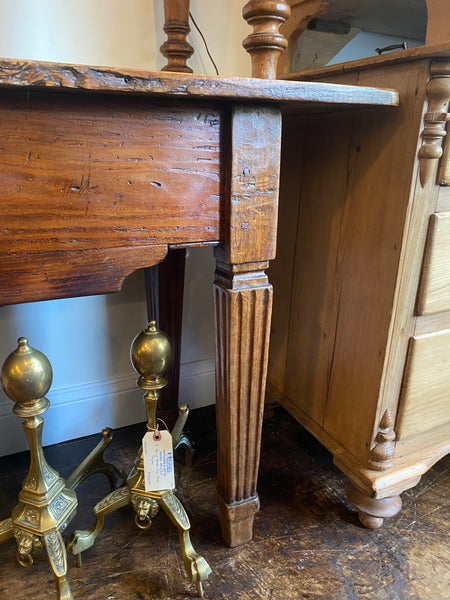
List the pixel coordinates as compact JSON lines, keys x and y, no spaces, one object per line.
{"x":370,"y":521}
{"x":373,"y":511}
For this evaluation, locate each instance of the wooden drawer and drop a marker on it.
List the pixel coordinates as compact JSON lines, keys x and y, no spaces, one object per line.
{"x":425,"y":395}
{"x":434,"y":289}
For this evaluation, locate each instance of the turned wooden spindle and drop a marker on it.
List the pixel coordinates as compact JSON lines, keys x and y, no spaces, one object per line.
{"x":176,"y":25}
{"x":433,"y":134}
{"x":266,"y":43}
{"x":380,"y":457}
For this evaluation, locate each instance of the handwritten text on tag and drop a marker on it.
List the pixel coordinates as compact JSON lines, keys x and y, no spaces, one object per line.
{"x":158,"y":461}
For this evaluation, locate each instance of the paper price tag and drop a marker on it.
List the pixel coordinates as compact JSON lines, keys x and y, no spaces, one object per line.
{"x":158,"y":461}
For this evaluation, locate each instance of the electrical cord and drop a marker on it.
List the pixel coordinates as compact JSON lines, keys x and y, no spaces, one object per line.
{"x":204,"y":41}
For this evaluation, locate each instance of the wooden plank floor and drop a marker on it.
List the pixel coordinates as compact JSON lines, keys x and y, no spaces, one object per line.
{"x":308,"y":543}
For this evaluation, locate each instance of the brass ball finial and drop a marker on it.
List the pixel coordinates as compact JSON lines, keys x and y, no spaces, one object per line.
{"x":151,"y":353}
{"x":27,"y":376}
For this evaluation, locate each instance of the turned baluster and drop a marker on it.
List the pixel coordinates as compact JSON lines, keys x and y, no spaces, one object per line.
{"x":176,"y":49}
{"x":436,"y":117}
{"x":266,"y":42}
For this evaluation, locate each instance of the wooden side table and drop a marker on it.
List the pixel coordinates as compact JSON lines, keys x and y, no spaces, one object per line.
{"x":102,"y":171}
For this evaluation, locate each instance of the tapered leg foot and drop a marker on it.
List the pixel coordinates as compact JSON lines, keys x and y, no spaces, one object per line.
{"x":236,"y":520}
{"x":196,"y":566}
{"x":81,"y":540}
{"x":243,"y":322}
{"x":373,"y":511}
{"x":57,"y":558}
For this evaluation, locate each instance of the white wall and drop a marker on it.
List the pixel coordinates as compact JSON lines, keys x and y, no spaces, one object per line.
{"x":315,"y":48}
{"x":87,"y":339}
{"x":363,"y":45}
{"x":121,"y":33}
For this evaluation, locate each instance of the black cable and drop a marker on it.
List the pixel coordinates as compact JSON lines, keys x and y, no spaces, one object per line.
{"x":204,"y":41}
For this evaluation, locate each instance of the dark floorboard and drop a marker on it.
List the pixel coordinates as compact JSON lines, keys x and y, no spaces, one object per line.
{"x":308,"y":543}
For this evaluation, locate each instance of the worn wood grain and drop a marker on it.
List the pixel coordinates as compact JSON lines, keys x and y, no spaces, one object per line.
{"x":434,"y":290}
{"x":424,"y":398}
{"x":266,"y":43}
{"x":102,"y":170}
{"x":103,"y":174}
{"x":382,"y":168}
{"x":243,"y":300}
{"x":176,"y":25}
{"x":31,"y":276}
{"x":130,"y":81}
{"x":292,"y":150}
{"x":170,"y":276}
{"x":341,"y":250}
{"x":354,"y":296}
{"x":319,"y":262}
{"x":249,"y":219}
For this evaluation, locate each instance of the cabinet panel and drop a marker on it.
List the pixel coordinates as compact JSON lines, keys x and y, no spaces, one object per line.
{"x":363,"y":226}
{"x":425,"y":396}
{"x":434,"y":290}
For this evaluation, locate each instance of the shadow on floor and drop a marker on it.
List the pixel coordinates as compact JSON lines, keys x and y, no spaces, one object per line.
{"x":308,"y":543}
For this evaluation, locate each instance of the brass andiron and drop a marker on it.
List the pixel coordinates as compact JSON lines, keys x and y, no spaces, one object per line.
{"x":47,"y":503}
{"x":151,"y":355}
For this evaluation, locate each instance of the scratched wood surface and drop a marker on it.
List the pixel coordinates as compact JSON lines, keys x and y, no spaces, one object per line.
{"x":102,"y":180}
{"x":243,"y":303}
{"x":307,"y":544}
{"x":95,"y":185}
{"x":32,"y":74}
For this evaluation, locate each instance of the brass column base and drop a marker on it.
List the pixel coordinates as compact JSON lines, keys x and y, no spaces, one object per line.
{"x":146,"y":505}
{"x":38,"y":521}
{"x":47,"y":503}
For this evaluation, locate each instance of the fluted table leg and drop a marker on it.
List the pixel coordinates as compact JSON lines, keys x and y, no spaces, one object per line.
{"x":243,"y":307}
{"x":243,"y":299}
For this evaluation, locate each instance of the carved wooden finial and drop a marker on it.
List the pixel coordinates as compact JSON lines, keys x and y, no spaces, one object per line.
{"x":176,"y":49}
{"x":438,"y":95}
{"x":265,"y":43}
{"x":381,"y":453}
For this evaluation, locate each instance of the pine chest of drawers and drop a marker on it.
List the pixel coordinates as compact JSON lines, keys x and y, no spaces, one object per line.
{"x":360,"y":347}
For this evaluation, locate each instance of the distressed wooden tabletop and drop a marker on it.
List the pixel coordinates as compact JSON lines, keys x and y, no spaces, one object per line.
{"x":34,"y":74}
{"x":103,"y":169}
